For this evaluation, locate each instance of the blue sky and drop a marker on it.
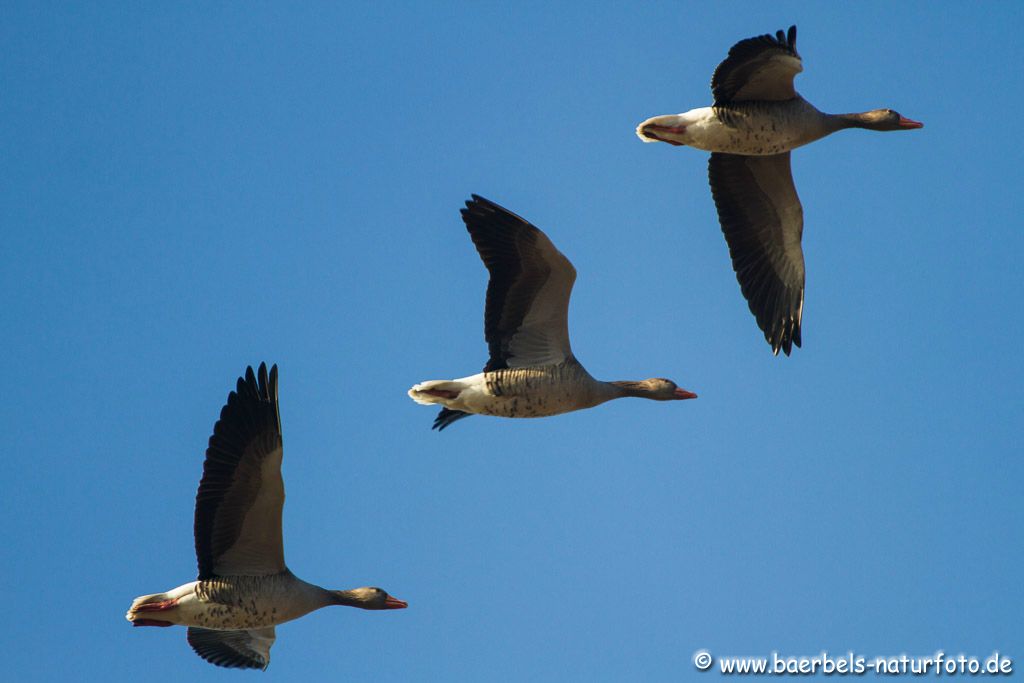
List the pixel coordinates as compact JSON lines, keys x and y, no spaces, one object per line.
{"x":191,"y":189}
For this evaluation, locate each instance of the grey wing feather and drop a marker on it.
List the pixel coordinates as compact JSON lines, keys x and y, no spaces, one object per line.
{"x":242,"y":649}
{"x":763,"y":222}
{"x":526,"y":318}
{"x":759,"y":68}
{"x":241,"y":494}
{"x":447,"y":416}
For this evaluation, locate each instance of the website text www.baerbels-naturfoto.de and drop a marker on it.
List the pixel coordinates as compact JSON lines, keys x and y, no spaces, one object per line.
{"x":856,"y":665}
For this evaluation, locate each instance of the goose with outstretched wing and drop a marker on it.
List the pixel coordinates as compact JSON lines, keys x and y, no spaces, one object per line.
{"x":531,"y":371}
{"x":244,"y":589}
{"x":756,"y":119}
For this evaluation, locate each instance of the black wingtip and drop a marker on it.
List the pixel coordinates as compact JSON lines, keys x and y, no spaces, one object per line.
{"x":476,"y":206}
{"x":272,"y":386}
{"x":784,"y":339}
{"x":247,"y":382}
{"x":481,"y":208}
{"x":482,"y":212}
{"x":476,"y":202}
{"x":447,"y":416}
{"x":786,"y":39}
{"x":479,"y":205}
{"x":259,"y":383}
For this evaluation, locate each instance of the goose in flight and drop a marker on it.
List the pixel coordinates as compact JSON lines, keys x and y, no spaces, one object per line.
{"x":244,"y":588}
{"x":531,"y":371}
{"x":756,"y":119}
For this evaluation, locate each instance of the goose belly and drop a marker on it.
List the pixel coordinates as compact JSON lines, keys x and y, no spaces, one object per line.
{"x":239,"y":603}
{"x":751,"y":134}
{"x":229,"y":611}
{"x":519,"y":392}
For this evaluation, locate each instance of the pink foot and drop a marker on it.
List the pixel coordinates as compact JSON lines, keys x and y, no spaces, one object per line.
{"x":653,"y":129}
{"x":442,"y":393}
{"x":156,"y":606}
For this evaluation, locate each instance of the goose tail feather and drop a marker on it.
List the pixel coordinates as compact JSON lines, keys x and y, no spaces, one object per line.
{"x":436,"y":391}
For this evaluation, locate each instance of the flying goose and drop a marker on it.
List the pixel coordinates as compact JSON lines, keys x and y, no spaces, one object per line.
{"x":531,"y":371}
{"x":244,"y":587}
{"x":757,"y":118}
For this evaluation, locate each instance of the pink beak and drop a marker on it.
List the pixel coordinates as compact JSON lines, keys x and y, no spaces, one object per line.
{"x":680,"y":394}
{"x":395,"y":603}
{"x":907,"y":123}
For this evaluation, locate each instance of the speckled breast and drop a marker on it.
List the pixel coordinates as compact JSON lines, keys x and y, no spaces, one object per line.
{"x":239,"y":603}
{"x":537,"y":392}
{"x":765,"y":128}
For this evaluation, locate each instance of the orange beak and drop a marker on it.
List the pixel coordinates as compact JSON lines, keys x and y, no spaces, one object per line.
{"x":681,"y":394}
{"x":907,"y":123}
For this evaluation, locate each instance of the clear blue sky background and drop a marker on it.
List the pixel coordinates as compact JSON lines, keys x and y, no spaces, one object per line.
{"x":189,"y":189}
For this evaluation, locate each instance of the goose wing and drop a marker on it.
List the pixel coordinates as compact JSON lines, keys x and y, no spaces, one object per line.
{"x":526,"y":318}
{"x":233,"y":649}
{"x":446,"y":416}
{"x":759,"y":68}
{"x":241,"y":494}
{"x":763,"y":222}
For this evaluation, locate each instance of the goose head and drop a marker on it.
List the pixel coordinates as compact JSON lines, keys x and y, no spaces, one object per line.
{"x":656,"y":388}
{"x":368,"y":598}
{"x":886,"y":119}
